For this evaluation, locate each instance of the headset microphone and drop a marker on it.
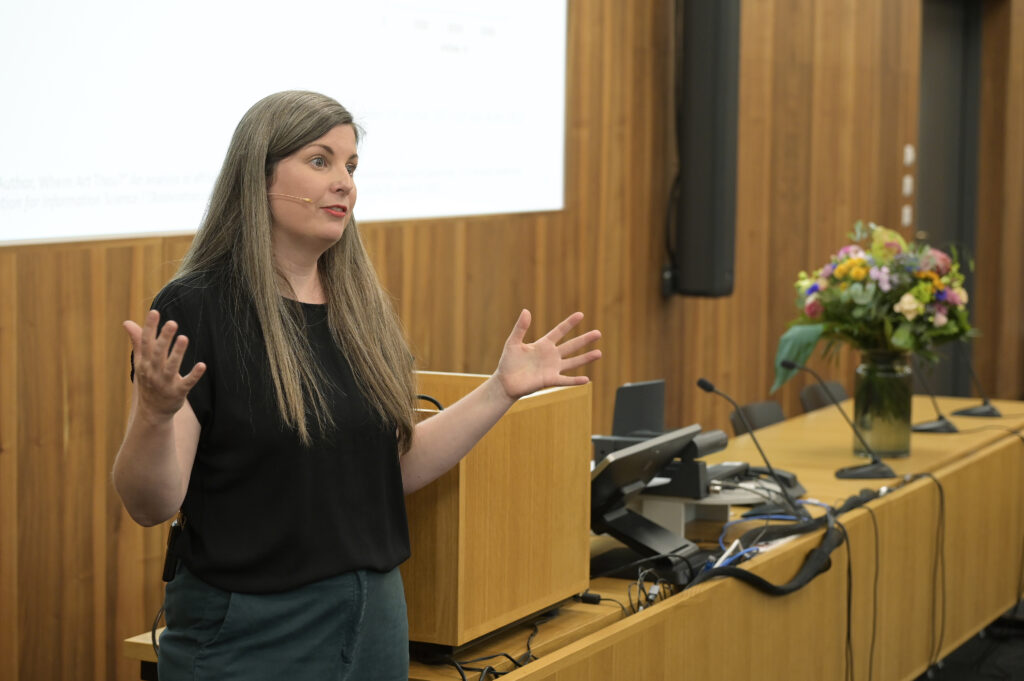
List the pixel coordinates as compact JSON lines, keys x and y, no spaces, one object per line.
{"x":791,"y":505}
{"x":289,"y":196}
{"x":877,"y":468}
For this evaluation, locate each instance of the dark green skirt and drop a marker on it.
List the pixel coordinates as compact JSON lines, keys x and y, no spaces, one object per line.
{"x":352,"y":627}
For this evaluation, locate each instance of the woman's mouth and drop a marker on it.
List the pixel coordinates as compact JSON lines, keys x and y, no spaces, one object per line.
{"x":336,"y":211}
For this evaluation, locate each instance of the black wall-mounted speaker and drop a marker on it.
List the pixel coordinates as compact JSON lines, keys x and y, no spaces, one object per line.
{"x":701,"y":221}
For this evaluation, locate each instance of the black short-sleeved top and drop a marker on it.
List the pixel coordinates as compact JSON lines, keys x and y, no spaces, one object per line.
{"x":264,"y":513}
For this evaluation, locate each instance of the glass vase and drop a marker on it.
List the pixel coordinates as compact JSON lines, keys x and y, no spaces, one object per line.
{"x":881,"y":403}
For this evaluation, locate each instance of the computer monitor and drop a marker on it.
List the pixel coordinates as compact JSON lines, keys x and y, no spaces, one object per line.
{"x":622,"y":475}
{"x":639,"y":409}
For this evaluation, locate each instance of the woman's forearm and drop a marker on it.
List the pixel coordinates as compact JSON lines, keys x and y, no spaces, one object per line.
{"x":149,"y":472}
{"x":439,"y":442}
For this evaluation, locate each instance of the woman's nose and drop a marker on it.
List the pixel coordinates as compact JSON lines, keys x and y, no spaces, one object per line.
{"x":344,"y":183}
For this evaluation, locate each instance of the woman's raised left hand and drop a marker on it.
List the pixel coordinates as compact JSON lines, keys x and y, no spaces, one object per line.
{"x":528,"y":367}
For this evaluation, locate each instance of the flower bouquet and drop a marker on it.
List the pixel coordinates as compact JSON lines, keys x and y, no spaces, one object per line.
{"x":888,"y":299}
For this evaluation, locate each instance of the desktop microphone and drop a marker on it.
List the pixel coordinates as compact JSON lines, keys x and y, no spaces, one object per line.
{"x":983,"y":409}
{"x":707,"y":386}
{"x":869,"y":471}
{"x":941,"y":424}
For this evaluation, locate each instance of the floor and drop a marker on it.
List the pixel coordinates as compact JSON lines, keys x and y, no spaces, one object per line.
{"x":996,"y":653}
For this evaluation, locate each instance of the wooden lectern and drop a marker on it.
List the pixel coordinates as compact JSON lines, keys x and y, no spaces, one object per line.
{"x":506,"y":533}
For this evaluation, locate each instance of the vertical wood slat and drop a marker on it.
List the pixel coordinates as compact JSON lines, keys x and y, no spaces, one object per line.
{"x":10,"y":605}
{"x":999,"y":309}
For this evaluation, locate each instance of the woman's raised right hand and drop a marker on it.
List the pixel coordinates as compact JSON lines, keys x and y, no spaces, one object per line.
{"x":161,"y":389}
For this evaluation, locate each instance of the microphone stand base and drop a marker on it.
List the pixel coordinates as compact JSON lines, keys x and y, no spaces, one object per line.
{"x":875,"y":470}
{"x":939,"y":425}
{"x":985,"y":409}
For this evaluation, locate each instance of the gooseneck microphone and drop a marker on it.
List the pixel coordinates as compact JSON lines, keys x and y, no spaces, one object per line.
{"x":941,"y":424}
{"x":707,"y":386}
{"x":870,"y":471}
{"x":983,"y":409}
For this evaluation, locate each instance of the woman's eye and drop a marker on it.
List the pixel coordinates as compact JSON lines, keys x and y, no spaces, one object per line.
{"x":318,"y":162}
{"x":351,"y":168}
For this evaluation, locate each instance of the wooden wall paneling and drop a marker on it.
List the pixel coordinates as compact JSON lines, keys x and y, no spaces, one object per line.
{"x":126,"y":592}
{"x":578,"y":233}
{"x":992,"y":124}
{"x":121,"y":287}
{"x":10,"y":626}
{"x":1013,"y":310}
{"x":75,"y":496}
{"x":498,"y":278}
{"x":383,"y":242}
{"x":436,"y":276}
{"x":98,"y":454}
{"x":603,"y":195}
{"x":651,"y":122}
{"x":910,"y":27}
{"x":792,"y":174}
{"x":835,"y":105}
{"x":1000,"y":310}
{"x":41,"y":480}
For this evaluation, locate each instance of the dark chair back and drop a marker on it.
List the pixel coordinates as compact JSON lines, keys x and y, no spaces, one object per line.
{"x":759,"y":414}
{"x":813,"y":396}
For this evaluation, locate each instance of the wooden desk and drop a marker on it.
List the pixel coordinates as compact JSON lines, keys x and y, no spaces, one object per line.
{"x":726,"y":630}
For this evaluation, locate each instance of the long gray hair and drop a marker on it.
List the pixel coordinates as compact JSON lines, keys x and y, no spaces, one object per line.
{"x":235,"y":239}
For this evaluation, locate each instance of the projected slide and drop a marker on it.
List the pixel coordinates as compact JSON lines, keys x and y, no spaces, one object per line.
{"x":117,"y":114}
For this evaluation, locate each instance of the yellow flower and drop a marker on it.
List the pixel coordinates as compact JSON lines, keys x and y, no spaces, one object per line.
{"x":859,"y":273}
{"x":935,"y":279}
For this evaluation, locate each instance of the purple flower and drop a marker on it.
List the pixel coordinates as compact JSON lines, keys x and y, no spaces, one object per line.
{"x":882,"y":276}
{"x":814,"y":288}
{"x":828,"y":269}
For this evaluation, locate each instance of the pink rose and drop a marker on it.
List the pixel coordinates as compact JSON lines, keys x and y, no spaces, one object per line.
{"x":942,"y":261}
{"x":813,"y":307}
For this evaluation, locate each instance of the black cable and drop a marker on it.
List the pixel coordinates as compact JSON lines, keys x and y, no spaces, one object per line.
{"x":615,"y":600}
{"x":528,"y":656}
{"x":849,"y":602}
{"x":1005,"y":429}
{"x":463,"y":666}
{"x":596,"y":598}
{"x":428,"y":398}
{"x":458,"y":667}
{"x":1020,"y":582}
{"x":152,"y":633}
{"x":940,"y":564}
{"x":874,"y":596}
